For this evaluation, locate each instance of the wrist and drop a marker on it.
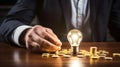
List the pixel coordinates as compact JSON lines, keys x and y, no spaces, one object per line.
{"x":22,"y":37}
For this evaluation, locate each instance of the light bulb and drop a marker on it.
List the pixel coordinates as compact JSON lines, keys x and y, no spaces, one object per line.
{"x":74,"y":37}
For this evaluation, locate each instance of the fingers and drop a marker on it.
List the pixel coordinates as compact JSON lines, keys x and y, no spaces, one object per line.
{"x":40,"y":38}
{"x":44,"y":46}
{"x":48,"y":35}
{"x":48,"y":46}
{"x":52,"y":37}
{"x":33,"y":45}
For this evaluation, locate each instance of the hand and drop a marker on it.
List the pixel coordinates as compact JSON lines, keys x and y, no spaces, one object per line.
{"x":39,"y":38}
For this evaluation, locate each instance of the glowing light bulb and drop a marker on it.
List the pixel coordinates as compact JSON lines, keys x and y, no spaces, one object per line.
{"x":74,"y":37}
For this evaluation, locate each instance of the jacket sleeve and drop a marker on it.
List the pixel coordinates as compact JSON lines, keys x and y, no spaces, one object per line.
{"x":21,"y":13}
{"x":114,"y":24}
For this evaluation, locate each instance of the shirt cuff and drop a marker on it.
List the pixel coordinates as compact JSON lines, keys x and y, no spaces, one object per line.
{"x":17,"y":32}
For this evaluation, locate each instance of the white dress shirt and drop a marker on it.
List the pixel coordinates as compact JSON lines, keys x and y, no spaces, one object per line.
{"x":78,"y":12}
{"x":80,"y":16}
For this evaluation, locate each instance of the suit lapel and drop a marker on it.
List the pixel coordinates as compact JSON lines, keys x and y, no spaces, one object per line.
{"x":92,"y":17}
{"x":66,"y":8}
{"x":92,"y":10}
{"x":95,"y":29}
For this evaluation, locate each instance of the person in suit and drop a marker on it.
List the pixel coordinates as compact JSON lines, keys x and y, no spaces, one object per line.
{"x":55,"y":18}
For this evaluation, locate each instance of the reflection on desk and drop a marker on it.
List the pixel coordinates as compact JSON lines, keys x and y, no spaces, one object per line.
{"x":19,"y":57}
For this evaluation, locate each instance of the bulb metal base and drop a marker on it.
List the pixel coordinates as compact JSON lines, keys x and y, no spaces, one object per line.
{"x":75,"y":50}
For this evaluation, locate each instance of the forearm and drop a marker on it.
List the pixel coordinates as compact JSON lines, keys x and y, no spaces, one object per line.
{"x":21,"y":13}
{"x":6,"y":29}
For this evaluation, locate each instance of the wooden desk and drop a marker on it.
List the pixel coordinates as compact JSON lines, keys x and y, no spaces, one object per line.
{"x":18,"y":57}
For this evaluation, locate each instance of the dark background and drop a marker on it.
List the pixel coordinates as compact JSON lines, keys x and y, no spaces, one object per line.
{"x":5,"y":6}
{"x":7,"y":2}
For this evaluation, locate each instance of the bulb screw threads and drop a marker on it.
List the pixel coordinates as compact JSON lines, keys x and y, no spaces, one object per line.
{"x":75,"y":50}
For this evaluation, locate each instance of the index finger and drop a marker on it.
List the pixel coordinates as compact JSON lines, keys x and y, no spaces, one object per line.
{"x":52,"y":37}
{"x":48,"y":46}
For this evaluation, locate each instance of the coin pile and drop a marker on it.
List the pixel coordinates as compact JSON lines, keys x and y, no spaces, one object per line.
{"x":94,"y":53}
{"x":63,"y":52}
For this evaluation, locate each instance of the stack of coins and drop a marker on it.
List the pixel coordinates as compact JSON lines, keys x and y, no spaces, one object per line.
{"x":116,"y":56}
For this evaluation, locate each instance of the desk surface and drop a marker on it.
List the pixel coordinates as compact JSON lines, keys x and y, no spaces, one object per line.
{"x":18,"y":57}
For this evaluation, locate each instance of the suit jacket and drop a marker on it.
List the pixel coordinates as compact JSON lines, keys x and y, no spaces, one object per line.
{"x":56,"y":14}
